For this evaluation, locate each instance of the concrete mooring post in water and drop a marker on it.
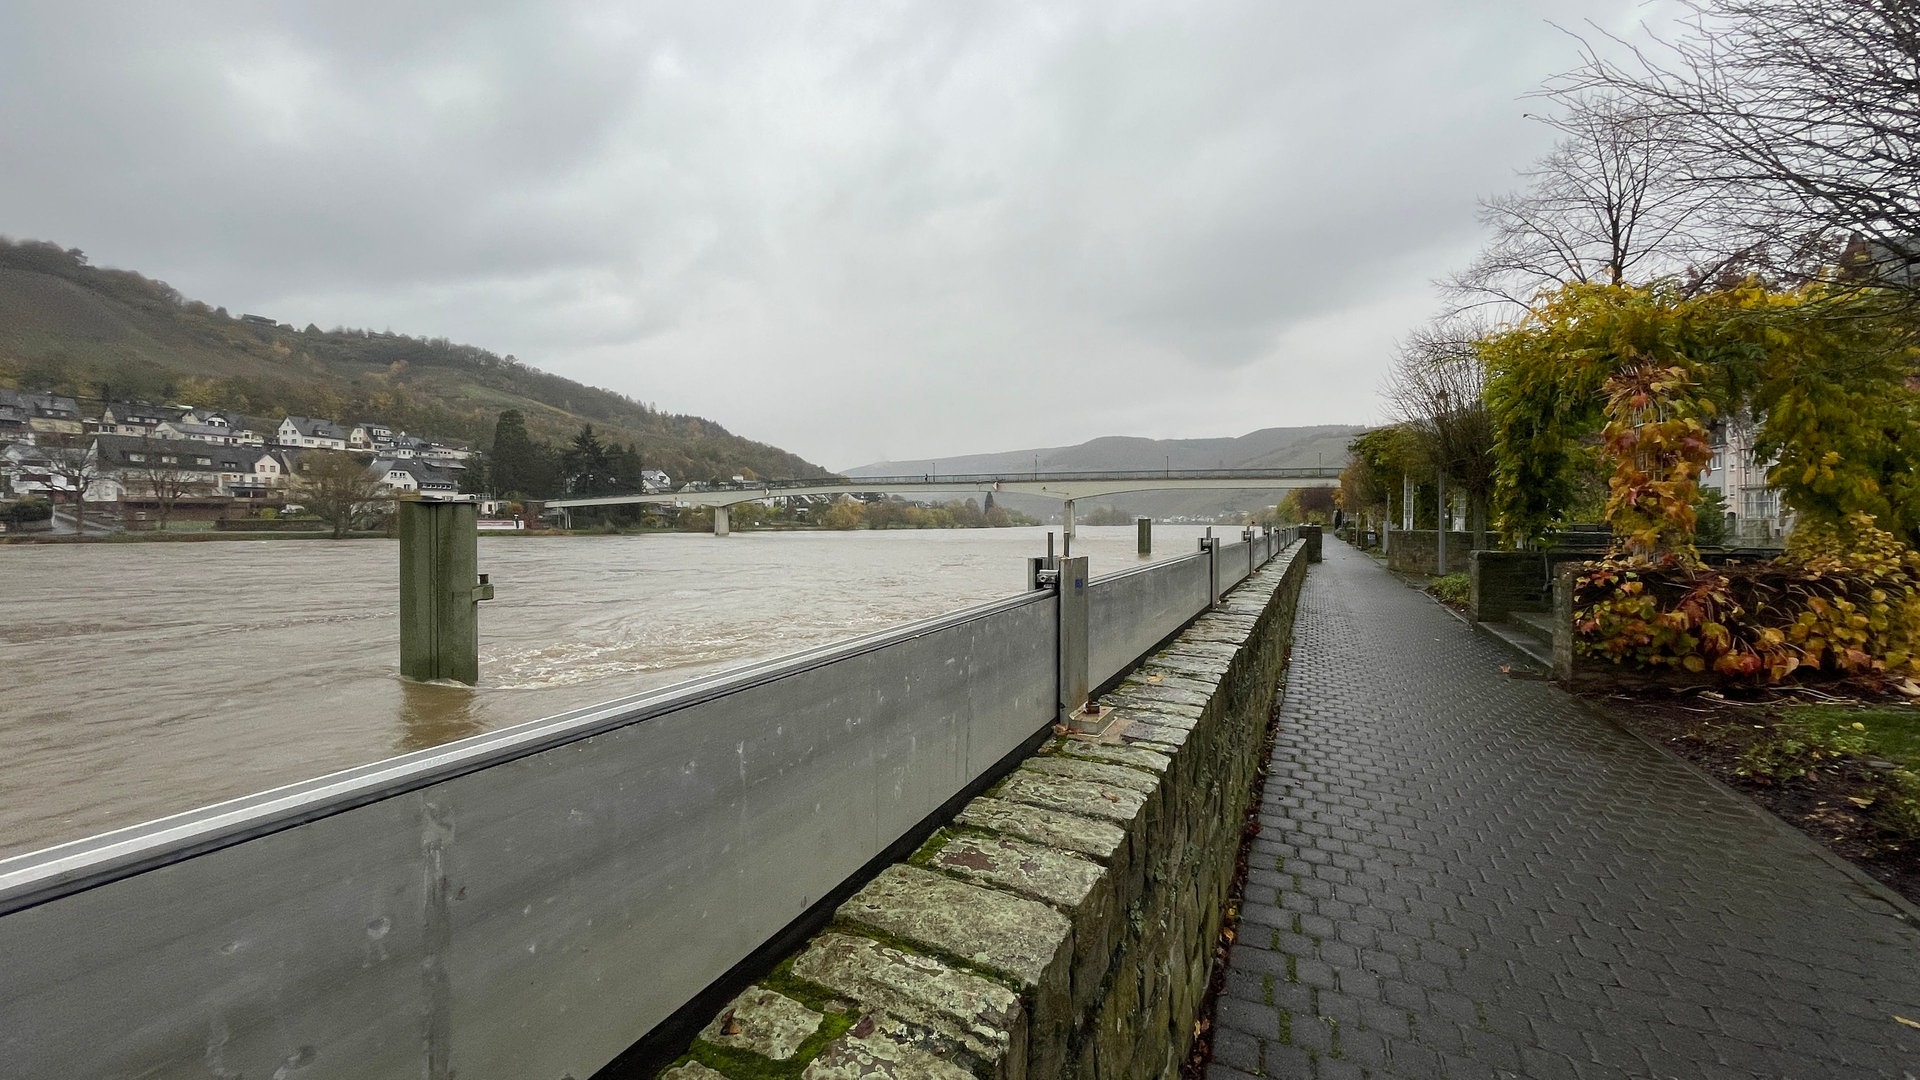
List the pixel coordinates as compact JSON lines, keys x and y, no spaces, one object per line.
{"x":1145,"y":527}
{"x":440,"y":590}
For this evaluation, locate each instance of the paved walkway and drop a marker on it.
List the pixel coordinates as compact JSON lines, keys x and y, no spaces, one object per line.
{"x":1465,"y":875}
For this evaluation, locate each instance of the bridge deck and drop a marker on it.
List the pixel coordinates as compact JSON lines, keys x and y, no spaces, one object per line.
{"x":1057,"y":485}
{"x":1465,"y":875}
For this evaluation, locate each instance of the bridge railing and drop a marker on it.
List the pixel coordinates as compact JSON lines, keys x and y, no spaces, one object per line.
{"x":529,"y":901}
{"x":1024,"y":477}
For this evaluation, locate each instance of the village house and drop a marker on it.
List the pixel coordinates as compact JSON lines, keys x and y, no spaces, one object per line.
{"x":13,"y":424}
{"x":416,"y":475}
{"x":136,"y":417}
{"x":130,"y":468}
{"x":244,"y":430}
{"x":185,"y":430}
{"x":308,"y":433}
{"x":26,"y":469}
{"x":45,"y":413}
{"x":367,"y":435}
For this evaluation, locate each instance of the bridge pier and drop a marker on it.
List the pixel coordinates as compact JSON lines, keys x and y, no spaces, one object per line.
{"x":722,"y":520}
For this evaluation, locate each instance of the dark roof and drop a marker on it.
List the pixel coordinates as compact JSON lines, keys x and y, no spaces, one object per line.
{"x":126,"y":412}
{"x":113,"y":451}
{"x":40,"y":403}
{"x":424,"y":473}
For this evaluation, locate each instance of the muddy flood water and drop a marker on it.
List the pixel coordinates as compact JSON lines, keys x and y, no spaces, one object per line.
{"x":139,"y":680}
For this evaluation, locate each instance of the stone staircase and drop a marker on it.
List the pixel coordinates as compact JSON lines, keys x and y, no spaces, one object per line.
{"x":1529,"y":633}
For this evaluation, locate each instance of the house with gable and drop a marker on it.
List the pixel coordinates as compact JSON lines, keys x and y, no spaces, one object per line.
{"x":244,"y":430}
{"x":413,"y":475}
{"x":132,"y":466}
{"x":136,"y":417}
{"x":186,"y":430}
{"x":46,"y":413}
{"x":309,"y":433}
{"x":260,"y":473}
{"x":25,"y":469}
{"x":368,"y":435}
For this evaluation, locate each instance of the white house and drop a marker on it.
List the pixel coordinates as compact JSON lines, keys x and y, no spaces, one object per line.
{"x":415,"y":475}
{"x":184,"y":429}
{"x":309,"y":433}
{"x":240,"y":428}
{"x":370,"y":435}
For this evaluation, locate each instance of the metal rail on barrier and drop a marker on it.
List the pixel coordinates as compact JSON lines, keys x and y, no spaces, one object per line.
{"x":528,"y":902}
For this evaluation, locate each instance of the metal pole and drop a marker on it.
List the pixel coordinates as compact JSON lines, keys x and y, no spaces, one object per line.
{"x":1440,"y":526}
{"x":1071,"y":581}
{"x":1144,"y":528}
{"x":1066,"y":532}
{"x":1212,"y":547}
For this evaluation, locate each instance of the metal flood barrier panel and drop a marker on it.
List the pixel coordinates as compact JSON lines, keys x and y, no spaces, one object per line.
{"x":1134,"y":610}
{"x":522,"y":904}
{"x":1233,"y":563}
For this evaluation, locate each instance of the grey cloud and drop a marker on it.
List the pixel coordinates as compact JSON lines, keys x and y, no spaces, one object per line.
{"x":852,"y":229}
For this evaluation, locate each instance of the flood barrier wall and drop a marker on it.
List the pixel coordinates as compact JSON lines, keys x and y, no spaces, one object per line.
{"x":528,"y":902}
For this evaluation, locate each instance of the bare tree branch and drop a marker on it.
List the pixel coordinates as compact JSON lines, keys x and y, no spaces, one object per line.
{"x":1803,"y":116}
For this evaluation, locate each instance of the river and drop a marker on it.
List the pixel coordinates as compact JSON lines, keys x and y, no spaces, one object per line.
{"x":138,"y":680}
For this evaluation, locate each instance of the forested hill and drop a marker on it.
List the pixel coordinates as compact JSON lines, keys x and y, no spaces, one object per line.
{"x":86,"y":332}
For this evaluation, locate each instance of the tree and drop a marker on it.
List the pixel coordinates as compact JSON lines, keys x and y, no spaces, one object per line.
{"x":339,"y":488}
{"x":1314,"y":504}
{"x":473,"y":478}
{"x":1607,"y":205}
{"x":1824,"y":374}
{"x":585,"y":468}
{"x":75,"y":468}
{"x":1436,"y":391}
{"x":1377,"y":463}
{"x":845,"y":513}
{"x":1801,"y":114}
{"x":159,"y":475}
{"x":515,"y":463}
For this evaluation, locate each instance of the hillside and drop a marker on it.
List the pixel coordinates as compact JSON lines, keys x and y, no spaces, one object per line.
{"x":90,"y":332}
{"x":1268,"y":448}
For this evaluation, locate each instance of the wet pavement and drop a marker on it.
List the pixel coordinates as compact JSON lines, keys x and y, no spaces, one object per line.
{"x":1462,"y":874}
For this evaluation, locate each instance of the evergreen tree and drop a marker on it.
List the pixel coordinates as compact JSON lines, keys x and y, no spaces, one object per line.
{"x":585,"y":467}
{"x":515,"y":465}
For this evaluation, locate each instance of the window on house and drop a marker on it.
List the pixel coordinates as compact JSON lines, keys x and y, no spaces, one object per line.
{"x":169,"y":459}
{"x":136,"y":457}
{"x":202,"y":461}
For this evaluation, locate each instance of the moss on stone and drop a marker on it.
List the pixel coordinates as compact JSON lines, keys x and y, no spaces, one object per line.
{"x":738,"y":1064}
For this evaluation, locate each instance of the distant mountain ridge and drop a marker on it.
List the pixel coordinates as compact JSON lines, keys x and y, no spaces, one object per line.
{"x":90,"y":332}
{"x":1267,"y":448}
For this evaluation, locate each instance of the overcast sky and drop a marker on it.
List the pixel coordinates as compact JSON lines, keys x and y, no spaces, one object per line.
{"x":855,"y":230}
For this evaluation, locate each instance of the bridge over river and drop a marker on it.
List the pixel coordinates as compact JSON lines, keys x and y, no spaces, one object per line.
{"x":1065,"y":486}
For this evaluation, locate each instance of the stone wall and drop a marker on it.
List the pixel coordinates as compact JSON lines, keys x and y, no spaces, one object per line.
{"x":1410,"y":551}
{"x":1062,"y":925}
{"x":1508,"y":581}
{"x":1310,"y":537}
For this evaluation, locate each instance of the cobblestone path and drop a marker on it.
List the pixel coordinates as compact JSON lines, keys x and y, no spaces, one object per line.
{"x":1465,"y":875}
